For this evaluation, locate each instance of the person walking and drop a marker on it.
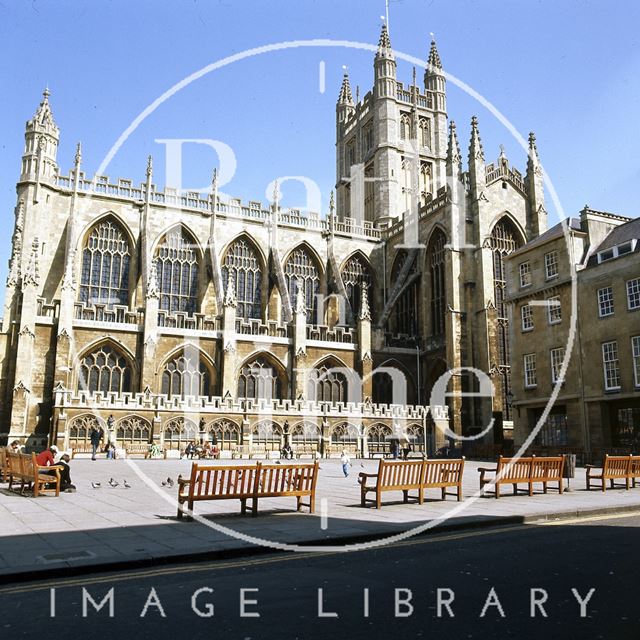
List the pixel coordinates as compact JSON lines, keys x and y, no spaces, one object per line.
{"x":346,"y":462}
{"x":95,"y":437}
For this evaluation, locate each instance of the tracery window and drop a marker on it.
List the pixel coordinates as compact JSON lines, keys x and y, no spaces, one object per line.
{"x":104,"y":278}
{"x":259,"y":379}
{"x":378,"y":435}
{"x":325,"y":384}
{"x":104,"y":369}
{"x":242,"y":263}
{"x":436,"y":266}
{"x":355,"y":275}
{"x":344,"y":435}
{"x":504,"y":240}
{"x":405,"y":127}
{"x":133,"y":429}
{"x":301,"y":271}
{"x":180,"y":431}
{"x":186,"y":375}
{"x":176,"y":263}
{"x":407,"y":306}
{"x":305,"y":433}
{"x":225,"y":432}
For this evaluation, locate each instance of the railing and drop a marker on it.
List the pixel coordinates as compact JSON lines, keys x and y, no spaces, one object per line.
{"x":170,"y":197}
{"x":256,"y":327}
{"x":503,"y":171}
{"x":401,"y":341}
{"x":196,"y":322}
{"x":47,"y":310}
{"x":325,"y":334}
{"x":119,"y":314}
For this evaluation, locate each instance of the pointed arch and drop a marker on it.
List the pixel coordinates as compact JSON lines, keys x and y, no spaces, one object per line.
{"x":243,"y":260}
{"x":107,"y":249}
{"x":390,"y":388}
{"x":356,"y":272}
{"x":105,"y":366}
{"x":436,"y":270}
{"x":303,"y":268}
{"x":187,"y":371}
{"x":328,"y":381}
{"x":133,"y":428}
{"x":177,"y":260}
{"x":224,"y":433}
{"x":507,"y":218}
{"x":262,"y":376}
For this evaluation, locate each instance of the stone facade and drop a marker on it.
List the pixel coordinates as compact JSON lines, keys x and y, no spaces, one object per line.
{"x":182,"y":315}
{"x":597,"y":407}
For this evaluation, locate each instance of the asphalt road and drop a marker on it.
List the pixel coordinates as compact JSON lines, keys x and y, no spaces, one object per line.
{"x":487,"y":579}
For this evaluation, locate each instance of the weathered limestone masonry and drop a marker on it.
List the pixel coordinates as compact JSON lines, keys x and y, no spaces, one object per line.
{"x":186,"y":317}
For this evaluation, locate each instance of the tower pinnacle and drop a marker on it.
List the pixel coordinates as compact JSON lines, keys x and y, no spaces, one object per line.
{"x":345,"y":96}
{"x":384,"y":43}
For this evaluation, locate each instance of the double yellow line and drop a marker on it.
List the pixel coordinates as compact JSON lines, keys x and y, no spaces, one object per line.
{"x":258,"y":561}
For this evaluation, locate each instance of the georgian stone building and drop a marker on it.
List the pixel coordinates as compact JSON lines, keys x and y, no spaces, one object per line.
{"x":183,"y":316}
{"x":597,"y":409}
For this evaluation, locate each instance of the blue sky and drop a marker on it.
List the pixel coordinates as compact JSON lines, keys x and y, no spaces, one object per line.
{"x":568,"y":70}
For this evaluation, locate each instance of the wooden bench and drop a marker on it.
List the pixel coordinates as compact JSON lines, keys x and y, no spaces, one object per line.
{"x":411,"y":475}
{"x":526,"y":470}
{"x":4,"y":465}
{"x":24,"y":467}
{"x":614,"y":468}
{"x":248,"y":483}
{"x":300,"y":450}
{"x":441,"y":474}
{"x":141,"y":449}
{"x":85,"y":448}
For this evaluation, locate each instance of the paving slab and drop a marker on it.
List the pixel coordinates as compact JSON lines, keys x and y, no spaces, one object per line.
{"x":99,"y":527}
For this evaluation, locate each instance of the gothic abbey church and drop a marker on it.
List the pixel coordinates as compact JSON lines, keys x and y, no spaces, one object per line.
{"x":167,"y":317}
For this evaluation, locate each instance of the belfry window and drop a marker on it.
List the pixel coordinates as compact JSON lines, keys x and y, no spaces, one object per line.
{"x":105,"y":369}
{"x":177,"y":271}
{"x":301,"y":271}
{"x":186,"y":375}
{"x":106,"y":256}
{"x":355,"y":275}
{"x":242,"y":264}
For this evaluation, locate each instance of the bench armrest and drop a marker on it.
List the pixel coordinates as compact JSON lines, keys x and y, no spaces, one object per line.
{"x":485,"y":469}
{"x":362,"y":476}
{"x":591,"y":466}
{"x":184,"y":481}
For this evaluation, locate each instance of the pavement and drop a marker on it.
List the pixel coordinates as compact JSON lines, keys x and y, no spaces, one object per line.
{"x":115,"y":527}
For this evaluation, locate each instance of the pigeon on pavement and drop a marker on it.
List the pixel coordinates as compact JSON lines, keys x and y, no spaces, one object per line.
{"x":113,"y":483}
{"x":95,"y":485}
{"x":170,"y":483}
{"x":127,"y":485}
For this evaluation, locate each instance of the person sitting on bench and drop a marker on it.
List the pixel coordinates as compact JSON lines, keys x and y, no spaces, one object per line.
{"x":287,"y":452}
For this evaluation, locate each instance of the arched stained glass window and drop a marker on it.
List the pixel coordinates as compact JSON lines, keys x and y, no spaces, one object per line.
{"x":325,"y":384}
{"x":405,"y":127}
{"x":503,"y":241}
{"x":242,"y":263}
{"x":301,"y":271}
{"x":425,"y":133}
{"x":104,"y":278}
{"x":177,"y":272}
{"x":259,"y":380}
{"x":406,"y":307}
{"x":104,"y":369}
{"x":186,"y":375}
{"x":436,"y":266}
{"x":355,"y":275}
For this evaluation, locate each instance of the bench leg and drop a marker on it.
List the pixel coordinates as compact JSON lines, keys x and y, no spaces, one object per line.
{"x":378,"y":500}
{"x":459,"y":492}
{"x":530,"y":489}
{"x":254,"y":507}
{"x":443,"y":493}
{"x":420,"y":495}
{"x":544,"y":485}
{"x":405,"y":498}
{"x":363,"y":494}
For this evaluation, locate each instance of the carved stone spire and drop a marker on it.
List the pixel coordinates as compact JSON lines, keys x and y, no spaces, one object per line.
{"x":345,"y":96}
{"x":384,"y":43}
{"x":533,"y":161}
{"x":454,"y":156}
{"x":16,"y":251}
{"x":78,"y":158}
{"x":32,"y":272}
{"x":434,"y":63}
{"x":476,"y":152}
{"x":149,"y":168}
{"x":365,"y":311}
{"x":230,"y":294}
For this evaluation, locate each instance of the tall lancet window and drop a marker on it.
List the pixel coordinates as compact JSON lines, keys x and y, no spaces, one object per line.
{"x":241,"y":262}
{"x":504,"y":240}
{"x":356,"y":274}
{"x":436,"y":266}
{"x":259,"y":380}
{"x":104,"y":369}
{"x":177,"y":271}
{"x":104,"y":278}
{"x":407,"y":306}
{"x":301,"y":271}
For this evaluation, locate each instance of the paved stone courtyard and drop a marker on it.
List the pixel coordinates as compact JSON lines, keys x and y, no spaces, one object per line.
{"x":114,"y":524}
